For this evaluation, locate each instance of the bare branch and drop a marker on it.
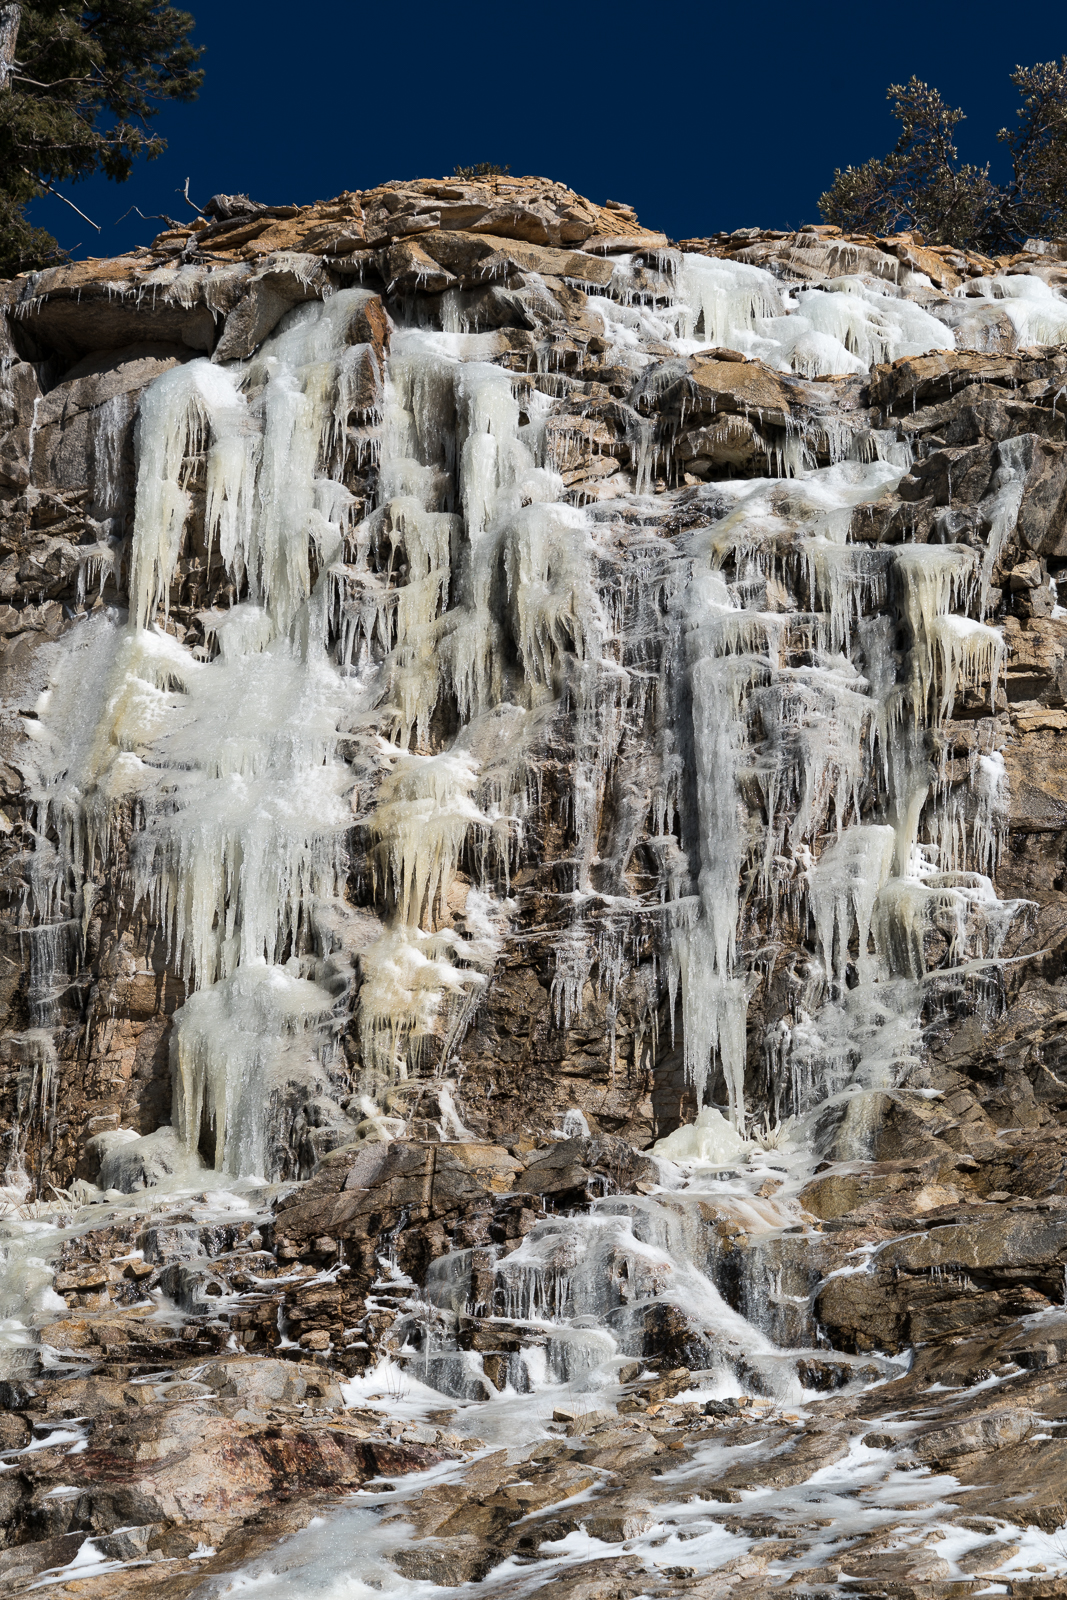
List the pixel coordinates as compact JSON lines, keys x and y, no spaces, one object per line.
{"x":20,"y":77}
{"x":149,"y":216}
{"x":46,"y":185}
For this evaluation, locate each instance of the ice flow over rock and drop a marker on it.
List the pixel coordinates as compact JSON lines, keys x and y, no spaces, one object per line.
{"x":533,"y":686}
{"x":391,"y":679}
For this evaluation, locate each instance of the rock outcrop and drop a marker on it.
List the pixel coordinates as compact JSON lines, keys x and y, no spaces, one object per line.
{"x":484,"y":684}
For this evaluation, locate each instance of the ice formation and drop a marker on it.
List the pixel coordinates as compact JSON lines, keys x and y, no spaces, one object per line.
{"x":1037,"y":313}
{"x":399,"y":670}
{"x":326,"y":800}
{"x":848,"y":326}
{"x":326,"y":804}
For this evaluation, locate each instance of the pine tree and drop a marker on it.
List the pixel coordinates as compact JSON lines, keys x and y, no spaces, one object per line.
{"x":80,"y":81}
{"x":922,"y":185}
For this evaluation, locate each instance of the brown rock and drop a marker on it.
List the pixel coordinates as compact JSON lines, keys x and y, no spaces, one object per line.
{"x":450,"y":1562}
{"x":408,"y":269}
{"x":993,"y":1430}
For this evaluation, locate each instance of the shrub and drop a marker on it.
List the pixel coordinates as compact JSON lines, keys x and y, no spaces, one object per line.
{"x":921,"y":184}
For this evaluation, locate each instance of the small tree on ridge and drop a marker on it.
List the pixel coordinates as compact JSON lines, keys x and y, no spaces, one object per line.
{"x":921,"y":184}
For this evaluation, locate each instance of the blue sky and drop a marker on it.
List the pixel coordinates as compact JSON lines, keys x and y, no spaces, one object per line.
{"x":703,"y":116}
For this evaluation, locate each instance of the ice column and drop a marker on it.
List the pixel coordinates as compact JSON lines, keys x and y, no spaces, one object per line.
{"x":231,"y":758}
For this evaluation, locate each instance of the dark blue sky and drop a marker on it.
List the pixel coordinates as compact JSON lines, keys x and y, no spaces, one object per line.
{"x":703,"y":116}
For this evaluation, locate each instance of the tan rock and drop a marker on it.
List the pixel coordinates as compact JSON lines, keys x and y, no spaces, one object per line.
{"x":993,"y":1430}
{"x":408,"y":269}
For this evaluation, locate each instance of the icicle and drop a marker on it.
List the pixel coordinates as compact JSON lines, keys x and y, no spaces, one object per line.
{"x":846,"y":326}
{"x":1037,"y":312}
{"x":407,"y":976}
{"x":850,"y":326}
{"x":725,"y":299}
{"x":409,"y":672}
{"x":991,"y":813}
{"x":970,"y":655}
{"x":1002,"y":510}
{"x":178,"y":411}
{"x":548,"y":582}
{"x":844,"y":887}
{"x":234,"y":1044}
{"x":231,"y":762}
{"x":933,"y":577}
{"x":423,"y":817}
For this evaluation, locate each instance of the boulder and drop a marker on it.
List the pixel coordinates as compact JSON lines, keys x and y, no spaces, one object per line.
{"x":993,"y":1430}
{"x":145,"y":1162}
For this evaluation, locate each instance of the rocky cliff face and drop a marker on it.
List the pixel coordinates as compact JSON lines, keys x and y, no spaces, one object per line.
{"x":533,"y":864}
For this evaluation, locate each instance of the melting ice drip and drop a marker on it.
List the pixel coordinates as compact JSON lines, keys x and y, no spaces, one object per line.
{"x":474,"y":582}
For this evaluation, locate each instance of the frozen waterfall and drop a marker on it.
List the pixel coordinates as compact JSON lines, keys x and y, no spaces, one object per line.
{"x":372,"y":687}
